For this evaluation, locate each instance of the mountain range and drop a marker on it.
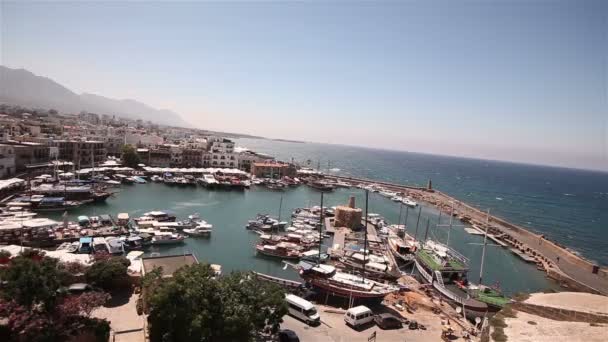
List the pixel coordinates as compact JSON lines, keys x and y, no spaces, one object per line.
{"x":22,"y":87}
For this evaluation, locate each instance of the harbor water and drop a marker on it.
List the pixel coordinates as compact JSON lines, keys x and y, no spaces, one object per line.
{"x":232,"y":246}
{"x":566,"y":205}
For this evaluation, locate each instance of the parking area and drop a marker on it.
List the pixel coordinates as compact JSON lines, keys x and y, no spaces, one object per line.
{"x":333,"y":329}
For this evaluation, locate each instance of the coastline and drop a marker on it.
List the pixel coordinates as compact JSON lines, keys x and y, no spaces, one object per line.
{"x":571,"y":271}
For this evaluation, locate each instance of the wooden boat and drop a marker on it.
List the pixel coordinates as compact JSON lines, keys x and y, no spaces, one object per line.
{"x":329,"y":279}
{"x":283,"y":250}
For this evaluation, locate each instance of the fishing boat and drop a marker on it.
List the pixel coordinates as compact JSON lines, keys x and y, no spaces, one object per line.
{"x":202,"y":228}
{"x":70,"y":247}
{"x":265,"y":222}
{"x":156,"y":179}
{"x":445,"y":269}
{"x":275,"y":185}
{"x":491,"y":296}
{"x":283,"y":250}
{"x":157,"y":215}
{"x":115,"y":246}
{"x":85,"y":245}
{"x":133,"y":242}
{"x":409,"y":202}
{"x":42,"y":203}
{"x":373,"y":265}
{"x":321,"y":185}
{"x":139,"y":180}
{"x":100,"y":245}
{"x":207,"y":181}
{"x":403,"y":249}
{"x":167,"y":238}
{"x":314,"y":256}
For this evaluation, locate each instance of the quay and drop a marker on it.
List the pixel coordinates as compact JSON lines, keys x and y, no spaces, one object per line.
{"x":568,"y":269}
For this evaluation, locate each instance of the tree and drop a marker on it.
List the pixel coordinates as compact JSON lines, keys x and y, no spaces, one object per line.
{"x":33,"y":310}
{"x":68,"y":321}
{"x":130,"y":157}
{"x":108,"y":273}
{"x":195,"y":305}
{"x":32,"y":278}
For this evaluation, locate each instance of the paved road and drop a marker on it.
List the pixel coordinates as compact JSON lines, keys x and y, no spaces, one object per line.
{"x":335,"y":330}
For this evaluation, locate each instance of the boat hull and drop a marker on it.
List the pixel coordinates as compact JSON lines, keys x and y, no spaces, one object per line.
{"x":472,"y":307}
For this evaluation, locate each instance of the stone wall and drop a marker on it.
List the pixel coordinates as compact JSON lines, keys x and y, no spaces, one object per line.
{"x":348,"y":217}
{"x":560,"y":314}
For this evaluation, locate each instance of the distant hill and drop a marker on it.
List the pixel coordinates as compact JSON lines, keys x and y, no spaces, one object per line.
{"x":21,"y":87}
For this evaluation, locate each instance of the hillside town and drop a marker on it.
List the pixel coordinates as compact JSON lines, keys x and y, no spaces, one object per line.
{"x":30,"y":140}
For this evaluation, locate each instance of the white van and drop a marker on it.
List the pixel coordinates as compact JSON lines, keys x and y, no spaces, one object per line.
{"x":302,"y":309}
{"x":359,"y":315}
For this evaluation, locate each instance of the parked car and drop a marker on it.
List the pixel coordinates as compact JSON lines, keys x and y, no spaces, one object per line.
{"x":388,"y":321}
{"x":358,"y":316}
{"x":77,"y":288}
{"x":287,"y":335}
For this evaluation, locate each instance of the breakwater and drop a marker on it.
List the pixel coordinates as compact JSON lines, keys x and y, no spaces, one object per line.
{"x":568,"y":269}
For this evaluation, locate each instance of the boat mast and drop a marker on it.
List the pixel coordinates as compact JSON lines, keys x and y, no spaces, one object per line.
{"x":426,"y":232}
{"x":320,"y":228}
{"x":485,"y":243}
{"x":280,"y":207}
{"x":365,"y":241}
{"x":417,"y":222}
{"x":400,"y":211}
{"x":407,"y":210}
{"x":450,"y":227}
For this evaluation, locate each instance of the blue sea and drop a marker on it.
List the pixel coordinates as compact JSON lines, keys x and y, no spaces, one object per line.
{"x":569,"y":206}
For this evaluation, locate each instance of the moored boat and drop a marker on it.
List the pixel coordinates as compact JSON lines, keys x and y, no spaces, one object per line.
{"x":202,"y":228}
{"x":167,"y":238}
{"x":444,"y":269}
{"x":329,"y":279}
{"x":283,"y":250}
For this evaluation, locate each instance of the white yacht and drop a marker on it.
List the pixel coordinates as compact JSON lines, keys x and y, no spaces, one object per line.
{"x":409,"y":202}
{"x":167,"y":238}
{"x":202,"y":228}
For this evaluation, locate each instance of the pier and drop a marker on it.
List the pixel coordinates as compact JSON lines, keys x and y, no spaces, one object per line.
{"x":568,"y":269}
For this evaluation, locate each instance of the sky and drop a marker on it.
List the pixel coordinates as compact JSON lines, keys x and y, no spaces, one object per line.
{"x":508,"y":80}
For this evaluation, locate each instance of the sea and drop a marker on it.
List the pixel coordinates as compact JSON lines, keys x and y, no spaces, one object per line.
{"x":568,"y":206}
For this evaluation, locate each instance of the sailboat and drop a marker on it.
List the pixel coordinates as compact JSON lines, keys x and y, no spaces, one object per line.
{"x":446,"y":270}
{"x":334,"y":281}
{"x":491,"y":296}
{"x":403,"y":249}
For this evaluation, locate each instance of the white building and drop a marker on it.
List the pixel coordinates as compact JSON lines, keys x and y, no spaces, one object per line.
{"x":143,"y":139}
{"x":222,"y":152}
{"x":7,"y":160}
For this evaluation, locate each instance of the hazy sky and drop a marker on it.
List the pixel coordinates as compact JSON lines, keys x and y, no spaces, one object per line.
{"x":516,"y":80}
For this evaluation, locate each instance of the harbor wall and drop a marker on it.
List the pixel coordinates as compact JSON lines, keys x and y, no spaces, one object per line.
{"x":560,"y":314}
{"x":504,"y":226}
{"x":567,"y":282}
{"x":561,"y":251}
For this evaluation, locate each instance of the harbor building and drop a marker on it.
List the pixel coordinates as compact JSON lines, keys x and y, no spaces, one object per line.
{"x":7,"y":160}
{"x":273,"y":169}
{"x":247,"y":158}
{"x":222,"y":152}
{"x":81,"y":153}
